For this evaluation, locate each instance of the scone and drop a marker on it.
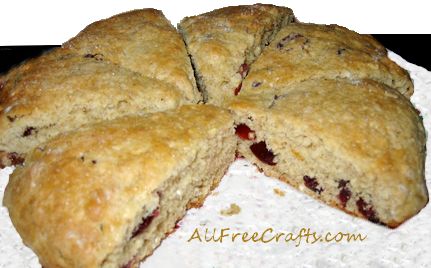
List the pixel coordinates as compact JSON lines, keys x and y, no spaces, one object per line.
{"x":223,"y":43}
{"x":107,"y":194}
{"x":143,"y":41}
{"x":60,"y":91}
{"x":310,"y":51}
{"x":357,"y":146}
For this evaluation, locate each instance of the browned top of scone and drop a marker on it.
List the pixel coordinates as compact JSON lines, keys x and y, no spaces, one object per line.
{"x":77,"y":196}
{"x":307,"y":51}
{"x":143,"y":41}
{"x":63,"y":90}
{"x":237,"y":14}
{"x":373,"y":127}
{"x":220,"y":41}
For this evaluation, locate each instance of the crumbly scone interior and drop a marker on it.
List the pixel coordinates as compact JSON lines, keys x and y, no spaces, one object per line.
{"x":298,"y":155}
{"x":186,"y":189}
{"x":308,"y":165}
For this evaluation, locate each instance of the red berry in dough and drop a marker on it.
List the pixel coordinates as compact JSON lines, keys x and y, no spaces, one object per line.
{"x":262,"y":153}
{"x":244,"y":132}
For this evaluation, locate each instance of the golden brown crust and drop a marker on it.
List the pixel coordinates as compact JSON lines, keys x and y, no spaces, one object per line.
{"x":78,"y":194}
{"x":310,"y":51}
{"x":61,"y":91}
{"x":143,"y":41}
{"x":220,"y":41}
{"x":371,"y":127}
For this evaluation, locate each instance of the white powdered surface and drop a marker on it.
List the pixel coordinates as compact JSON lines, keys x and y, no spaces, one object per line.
{"x":407,"y":246}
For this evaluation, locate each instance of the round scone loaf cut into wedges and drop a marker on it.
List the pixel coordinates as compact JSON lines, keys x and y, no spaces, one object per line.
{"x":106,"y":195}
{"x":144,"y":41}
{"x":61,"y":91}
{"x":356,"y":146}
{"x":310,"y":51}
{"x":224,"y":42}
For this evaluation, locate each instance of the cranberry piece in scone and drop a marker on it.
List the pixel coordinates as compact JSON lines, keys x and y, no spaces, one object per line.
{"x":29,"y":131}
{"x":256,"y":84}
{"x":237,"y":89}
{"x":145,"y":223}
{"x":367,"y":210}
{"x":15,"y":159}
{"x":244,"y":132}
{"x":287,"y":39}
{"x":312,"y":184}
{"x":262,"y":153}
{"x":345,"y":193}
{"x":243,"y":69}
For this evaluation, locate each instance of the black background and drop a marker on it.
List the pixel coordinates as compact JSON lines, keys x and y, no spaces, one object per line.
{"x":412,"y":47}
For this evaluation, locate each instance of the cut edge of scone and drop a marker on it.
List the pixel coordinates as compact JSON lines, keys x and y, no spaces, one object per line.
{"x":163,"y":201}
{"x":284,"y":17}
{"x":164,"y":217}
{"x":308,"y":161}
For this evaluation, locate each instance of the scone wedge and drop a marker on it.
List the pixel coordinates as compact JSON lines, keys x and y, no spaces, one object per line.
{"x":61,"y":91}
{"x":107,"y":194}
{"x":356,"y":146}
{"x":144,"y":41}
{"x":224,"y":42}
{"x":302,"y":51}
